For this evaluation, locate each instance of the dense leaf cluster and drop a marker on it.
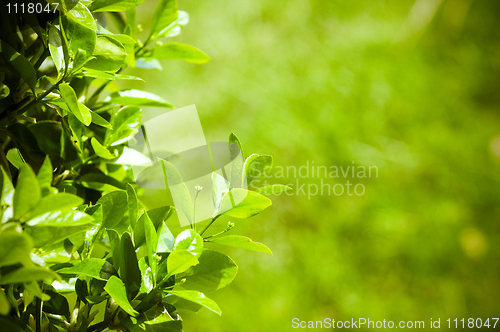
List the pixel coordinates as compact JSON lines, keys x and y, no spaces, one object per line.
{"x":64,"y":146}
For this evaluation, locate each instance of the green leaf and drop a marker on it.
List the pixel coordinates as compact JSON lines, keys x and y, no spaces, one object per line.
{"x":180,"y":51}
{"x":179,"y":261}
{"x":15,"y":247}
{"x":215,"y":271}
{"x":114,"y":5}
{"x":20,"y":64}
{"x":274,"y":189}
{"x":129,"y":269}
{"x":57,"y":50}
{"x":55,"y":202}
{"x":4,"y":304}
{"x":165,"y":14}
{"x":80,"y":14}
{"x":15,"y":158}
{"x":81,"y":112}
{"x":44,"y":175}
{"x":157,"y":216}
{"x":241,"y":242}
{"x":109,"y":76}
{"x":247,"y":204}
{"x":147,"y":284}
{"x":130,"y":18}
{"x":57,"y":305}
{"x":180,"y":192}
{"x":88,"y":267}
{"x":7,"y":194}
{"x":4,"y":89}
{"x":27,"y":194}
{"x":109,"y":54}
{"x":116,"y":289}
{"x":220,"y":187}
{"x":199,"y":298}
{"x":165,"y":239}
{"x":125,"y":123}
{"x":53,"y":140}
{"x":237,"y":157}
{"x":29,"y":274}
{"x":80,"y":38}
{"x":133,"y":205}
{"x":100,"y":181}
{"x":114,"y":206}
{"x":189,"y":240}
{"x":138,"y":98}
{"x":100,"y":121}
{"x":53,"y":227}
{"x":116,"y":248}
{"x":151,"y":244}
{"x":256,"y":167}
{"x":100,"y":150}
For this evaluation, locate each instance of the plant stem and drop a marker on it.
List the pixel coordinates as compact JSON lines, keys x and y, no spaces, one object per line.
{"x":38,"y":315}
{"x":209,"y":224}
{"x":206,"y":239}
{"x":39,"y":98}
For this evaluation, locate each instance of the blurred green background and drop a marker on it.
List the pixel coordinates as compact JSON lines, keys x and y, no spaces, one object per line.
{"x":412,"y":87}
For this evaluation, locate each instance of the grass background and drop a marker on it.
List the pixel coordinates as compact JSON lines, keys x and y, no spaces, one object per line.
{"x":411,"y":87}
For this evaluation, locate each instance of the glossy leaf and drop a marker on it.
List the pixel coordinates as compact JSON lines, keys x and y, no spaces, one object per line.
{"x":88,"y":267}
{"x":157,"y":216}
{"x":80,"y":14}
{"x":240,"y":242}
{"x":109,"y":76}
{"x":125,"y":123}
{"x":57,"y":49}
{"x":15,"y":247}
{"x":180,"y":51}
{"x":250,"y":204}
{"x":179,"y":261}
{"x":116,"y":289}
{"x":15,"y":158}
{"x":27,"y":194}
{"x":53,"y":227}
{"x":114,"y":5}
{"x":114,"y":206}
{"x":55,"y":202}
{"x":138,"y":98}
{"x":179,"y":191}
{"x":109,"y":54}
{"x":215,"y":270}
{"x":133,"y":205}
{"x":256,"y":167}
{"x":151,"y":243}
{"x":81,"y":112}
{"x":100,"y":121}
{"x":129,"y":267}
{"x":44,"y":175}
{"x":80,"y":38}
{"x":165,"y":14}
{"x":100,"y":150}
{"x":199,"y":298}
{"x":189,"y":240}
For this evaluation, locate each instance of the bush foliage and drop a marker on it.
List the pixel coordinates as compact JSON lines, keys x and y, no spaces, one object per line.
{"x":65,"y":192}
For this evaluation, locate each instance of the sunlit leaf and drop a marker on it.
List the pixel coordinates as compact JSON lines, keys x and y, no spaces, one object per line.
{"x":180,"y":51}
{"x":116,"y":289}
